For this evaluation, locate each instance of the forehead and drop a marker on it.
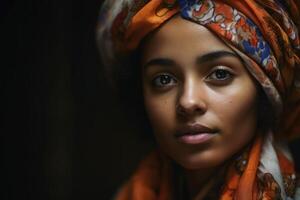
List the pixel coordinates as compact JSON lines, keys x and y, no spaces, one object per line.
{"x":180,"y":36}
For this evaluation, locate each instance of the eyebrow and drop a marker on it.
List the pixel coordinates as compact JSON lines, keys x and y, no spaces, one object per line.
{"x":209,"y":57}
{"x":161,"y":62}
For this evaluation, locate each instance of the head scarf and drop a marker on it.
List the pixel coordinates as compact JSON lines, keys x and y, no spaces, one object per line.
{"x":265,"y":35}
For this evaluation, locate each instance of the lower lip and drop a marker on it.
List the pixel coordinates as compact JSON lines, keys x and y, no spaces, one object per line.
{"x":196,"y":138}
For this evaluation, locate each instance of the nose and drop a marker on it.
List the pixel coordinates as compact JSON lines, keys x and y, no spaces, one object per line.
{"x":192,"y":99}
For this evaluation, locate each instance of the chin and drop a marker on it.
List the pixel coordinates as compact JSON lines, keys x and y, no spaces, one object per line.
{"x":194,"y":162}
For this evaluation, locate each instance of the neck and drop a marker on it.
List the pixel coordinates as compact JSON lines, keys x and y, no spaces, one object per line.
{"x":199,"y":182}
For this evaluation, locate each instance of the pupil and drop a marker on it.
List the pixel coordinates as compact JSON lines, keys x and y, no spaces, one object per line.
{"x":165,"y":79}
{"x":221,"y":74}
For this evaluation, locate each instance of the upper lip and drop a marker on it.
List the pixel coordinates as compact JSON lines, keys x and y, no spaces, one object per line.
{"x":193,"y":129}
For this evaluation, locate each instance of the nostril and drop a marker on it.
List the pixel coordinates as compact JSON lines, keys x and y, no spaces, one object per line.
{"x":190,"y":109}
{"x":180,"y":110}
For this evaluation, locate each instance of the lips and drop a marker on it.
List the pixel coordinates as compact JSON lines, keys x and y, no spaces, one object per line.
{"x":195,"y":134}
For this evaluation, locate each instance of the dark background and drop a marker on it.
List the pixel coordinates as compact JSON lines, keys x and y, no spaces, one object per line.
{"x":64,"y":136}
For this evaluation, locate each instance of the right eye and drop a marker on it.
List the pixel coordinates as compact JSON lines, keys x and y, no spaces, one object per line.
{"x":164,"y":80}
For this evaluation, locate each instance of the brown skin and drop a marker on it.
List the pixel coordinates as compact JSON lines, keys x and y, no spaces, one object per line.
{"x":191,"y":77}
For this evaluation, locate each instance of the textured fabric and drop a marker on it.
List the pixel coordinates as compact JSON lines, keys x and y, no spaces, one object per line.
{"x":264,"y":33}
{"x":260,"y":173}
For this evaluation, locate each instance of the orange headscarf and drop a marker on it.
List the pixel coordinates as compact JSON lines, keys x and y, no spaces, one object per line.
{"x":264,"y":33}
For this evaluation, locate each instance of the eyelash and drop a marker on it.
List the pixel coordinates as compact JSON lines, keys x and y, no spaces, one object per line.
{"x":157,"y":81}
{"x":225,"y":71}
{"x":212,"y":77}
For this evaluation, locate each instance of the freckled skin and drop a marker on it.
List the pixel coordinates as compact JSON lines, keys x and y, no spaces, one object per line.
{"x":229,"y":108}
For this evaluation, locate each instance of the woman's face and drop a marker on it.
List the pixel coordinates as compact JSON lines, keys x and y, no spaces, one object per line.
{"x":200,"y":99}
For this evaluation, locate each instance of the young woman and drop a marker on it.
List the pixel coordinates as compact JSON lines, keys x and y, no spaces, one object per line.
{"x":219,"y":82}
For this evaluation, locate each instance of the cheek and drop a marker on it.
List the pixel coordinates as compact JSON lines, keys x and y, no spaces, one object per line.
{"x":160,"y":110}
{"x":238,"y":110}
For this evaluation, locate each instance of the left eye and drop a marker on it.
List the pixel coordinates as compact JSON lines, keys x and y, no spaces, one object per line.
{"x":220,"y":75}
{"x":164,"y":80}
